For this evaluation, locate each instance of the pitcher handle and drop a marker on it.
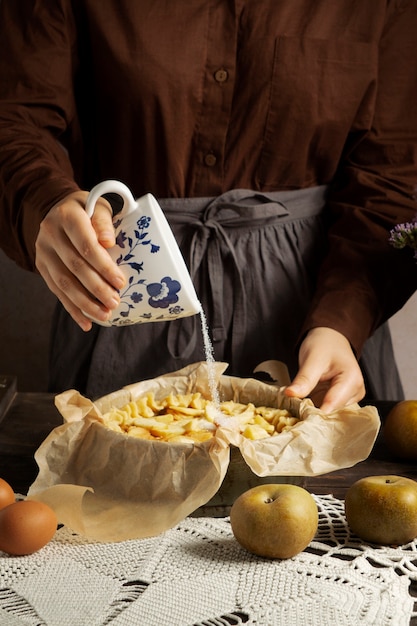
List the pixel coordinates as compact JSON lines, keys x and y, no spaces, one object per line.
{"x":111,"y":186}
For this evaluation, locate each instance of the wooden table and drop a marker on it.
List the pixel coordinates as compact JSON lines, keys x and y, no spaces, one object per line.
{"x":380,"y":462}
{"x":27,"y":418}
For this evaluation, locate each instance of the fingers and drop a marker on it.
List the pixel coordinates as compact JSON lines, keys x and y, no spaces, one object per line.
{"x":103,"y":224}
{"x":339,"y":392}
{"x":77,"y":301}
{"x":329,"y":372}
{"x":79,"y":248}
{"x":75,"y":264}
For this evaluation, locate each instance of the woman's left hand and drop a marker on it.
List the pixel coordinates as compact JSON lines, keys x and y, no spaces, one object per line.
{"x":328,"y":372}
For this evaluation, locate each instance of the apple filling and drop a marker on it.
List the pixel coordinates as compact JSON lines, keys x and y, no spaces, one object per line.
{"x":186,"y":418}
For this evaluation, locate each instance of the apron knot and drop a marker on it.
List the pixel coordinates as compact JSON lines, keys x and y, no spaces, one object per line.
{"x":211,"y":243}
{"x":208,"y":221}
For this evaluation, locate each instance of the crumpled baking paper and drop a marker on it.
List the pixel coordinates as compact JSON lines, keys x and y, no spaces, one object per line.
{"x":109,"y":486}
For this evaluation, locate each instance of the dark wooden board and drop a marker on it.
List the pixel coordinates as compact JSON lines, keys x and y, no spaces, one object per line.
{"x":8,"y":387}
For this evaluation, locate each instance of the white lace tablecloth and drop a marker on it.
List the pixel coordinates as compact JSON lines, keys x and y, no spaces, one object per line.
{"x":197,"y":575}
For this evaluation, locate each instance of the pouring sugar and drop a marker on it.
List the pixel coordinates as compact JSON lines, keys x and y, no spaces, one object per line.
{"x":220,"y":419}
{"x":210,"y":360}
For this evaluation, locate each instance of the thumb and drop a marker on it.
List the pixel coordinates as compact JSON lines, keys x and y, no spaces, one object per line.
{"x":301,"y":386}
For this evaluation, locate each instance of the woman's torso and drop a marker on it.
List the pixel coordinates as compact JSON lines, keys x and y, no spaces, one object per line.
{"x":189,"y":99}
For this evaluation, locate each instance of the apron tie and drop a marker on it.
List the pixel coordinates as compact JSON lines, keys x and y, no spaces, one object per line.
{"x":209,"y":239}
{"x":210,"y":242}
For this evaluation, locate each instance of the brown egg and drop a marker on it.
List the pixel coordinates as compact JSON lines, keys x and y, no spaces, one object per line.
{"x":6,"y":494}
{"x":26,"y":527}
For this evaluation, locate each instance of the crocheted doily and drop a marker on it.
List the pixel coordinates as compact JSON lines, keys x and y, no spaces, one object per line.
{"x":196,"y":574}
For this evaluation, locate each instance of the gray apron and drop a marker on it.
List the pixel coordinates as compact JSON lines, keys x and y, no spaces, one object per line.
{"x":253,"y":258}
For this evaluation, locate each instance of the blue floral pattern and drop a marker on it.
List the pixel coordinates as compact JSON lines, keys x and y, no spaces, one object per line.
{"x":162,"y":295}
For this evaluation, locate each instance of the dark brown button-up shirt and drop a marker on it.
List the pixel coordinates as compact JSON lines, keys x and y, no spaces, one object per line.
{"x":192,"y":98}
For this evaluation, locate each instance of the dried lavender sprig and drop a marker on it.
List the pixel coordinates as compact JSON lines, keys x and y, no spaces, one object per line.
{"x":404,"y":235}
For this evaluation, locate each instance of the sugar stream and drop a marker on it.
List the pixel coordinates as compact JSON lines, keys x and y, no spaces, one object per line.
{"x":210,"y":360}
{"x":219,"y":418}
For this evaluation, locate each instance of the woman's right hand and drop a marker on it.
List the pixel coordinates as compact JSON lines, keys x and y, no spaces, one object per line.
{"x":71,"y":257}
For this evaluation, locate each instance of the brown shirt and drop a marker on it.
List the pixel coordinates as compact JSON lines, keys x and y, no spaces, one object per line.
{"x":195,"y":97}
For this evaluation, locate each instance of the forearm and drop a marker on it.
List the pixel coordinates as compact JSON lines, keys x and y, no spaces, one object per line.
{"x":33,"y":177}
{"x":364,"y":280}
{"x":36,"y":111}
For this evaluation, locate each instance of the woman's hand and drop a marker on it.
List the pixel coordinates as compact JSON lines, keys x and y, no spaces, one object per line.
{"x":71,"y":257}
{"x":328,"y":372}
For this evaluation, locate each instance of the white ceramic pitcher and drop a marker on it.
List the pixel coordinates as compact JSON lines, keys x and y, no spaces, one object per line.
{"x":158,"y":285}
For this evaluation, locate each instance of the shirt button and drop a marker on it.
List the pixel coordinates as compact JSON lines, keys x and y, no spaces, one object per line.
{"x":210,"y":160}
{"x":221,"y":75}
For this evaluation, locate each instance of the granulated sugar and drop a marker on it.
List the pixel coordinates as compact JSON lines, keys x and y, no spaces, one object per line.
{"x":210,"y":360}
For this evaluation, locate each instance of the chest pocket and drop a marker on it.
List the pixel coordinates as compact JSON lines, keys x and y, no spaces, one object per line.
{"x":321,"y":90}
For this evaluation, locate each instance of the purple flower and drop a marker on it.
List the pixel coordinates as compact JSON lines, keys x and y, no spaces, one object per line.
{"x":404,"y":236}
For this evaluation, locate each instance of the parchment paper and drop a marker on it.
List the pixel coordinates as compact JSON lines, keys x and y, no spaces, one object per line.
{"x":111,"y":487}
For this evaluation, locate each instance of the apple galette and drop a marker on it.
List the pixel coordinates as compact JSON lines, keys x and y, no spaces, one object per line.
{"x":193,"y":418}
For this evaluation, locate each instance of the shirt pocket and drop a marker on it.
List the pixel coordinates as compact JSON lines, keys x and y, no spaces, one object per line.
{"x":321,"y":90}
